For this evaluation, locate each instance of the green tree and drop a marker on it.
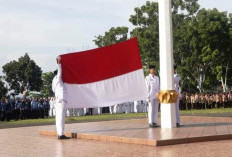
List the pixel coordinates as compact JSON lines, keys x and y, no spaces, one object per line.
{"x":22,"y":74}
{"x":113,"y":36}
{"x":47,"y":84}
{"x":210,"y":42}
{"x":202,"y":42}
{"x":146,"y":22}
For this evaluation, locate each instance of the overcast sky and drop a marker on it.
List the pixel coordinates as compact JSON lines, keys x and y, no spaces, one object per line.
{"x":47,"y":28}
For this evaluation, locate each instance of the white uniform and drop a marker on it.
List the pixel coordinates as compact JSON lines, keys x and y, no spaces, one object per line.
{"x":136,"y":106}
{"x":145,"y":105}
{"x":111,"y":109}
{"x":153,"y":88}
{"x":80,"y":112}
{"x":119,"y":108}
{"x":176,"y":87}
{"x":51,"y":111}
{"x":127,"y":107}
{"x":97,"y":111}
{"x":59,"y":90}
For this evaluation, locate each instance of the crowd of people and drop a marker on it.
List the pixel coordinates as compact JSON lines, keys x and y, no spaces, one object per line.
{"x":16,"y":108}
{"x":34,"y":108}
{"x":205,"y":101}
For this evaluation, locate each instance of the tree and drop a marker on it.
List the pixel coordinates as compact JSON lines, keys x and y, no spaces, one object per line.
{"x":146,"y":29}
{"x":113,"y":36}
{"x":47,"y":84}
{"x":23,"y":73}
{"x":201,"y":41}
{"x":211,"y":41}
{"x":3,"y":89}
{"x":146,"y":22}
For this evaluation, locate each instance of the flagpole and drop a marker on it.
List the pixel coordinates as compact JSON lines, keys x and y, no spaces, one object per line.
{"x":167,"y":95}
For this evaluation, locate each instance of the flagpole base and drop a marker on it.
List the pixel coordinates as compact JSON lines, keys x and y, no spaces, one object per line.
{"x":168,"y":115}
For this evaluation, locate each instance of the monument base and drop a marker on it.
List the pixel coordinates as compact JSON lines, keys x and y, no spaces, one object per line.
{"x":136,"y":131}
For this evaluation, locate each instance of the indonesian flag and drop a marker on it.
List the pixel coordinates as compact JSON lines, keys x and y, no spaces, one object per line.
{"x":104,"y":76}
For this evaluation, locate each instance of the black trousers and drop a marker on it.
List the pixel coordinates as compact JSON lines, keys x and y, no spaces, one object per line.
{"x":16,"y":114}
{"x":225,"y":103}
{"x":189,"y":106}
{"x":22,"y":114}
{"x":3,"y":115}
{"x":41,"y":113}
{"x":209,"y":106}
{"x":46,"y":110}
{"x":90,"y":111}
{"x":199,"y":105}
{"x":34,"y":114}
{"x":214,"y":104}
{"x":105,"y":110}
{"x":7,"y":115}
{"x":229,"y":104}
{"x":27,"y":113}
{"x":220,"y":104}
{"x":203,"y":106}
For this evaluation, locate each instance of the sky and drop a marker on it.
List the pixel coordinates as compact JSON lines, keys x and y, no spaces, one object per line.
{"x":47,"y":28}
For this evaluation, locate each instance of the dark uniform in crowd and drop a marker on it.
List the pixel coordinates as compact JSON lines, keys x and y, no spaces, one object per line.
{"x":3,"y":109}
{"x":41,"y":109}
{"x":105,"y":110}
{"x":17,"y":109}
{"x":46,"y":107}
{"x":229,"y":97}
{"x":188,"y":101}
{"x":182,"y":102}
{"x":224,"y":100}
{"x":12,"y":102}
{"x":34,"y":108}
{"x":8,"y":110}
{"x":0,"y":110}
{"x":27,"y":109}
{"x":22,"y":109}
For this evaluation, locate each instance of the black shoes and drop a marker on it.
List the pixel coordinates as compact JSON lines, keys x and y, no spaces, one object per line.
{"x":63,"y":137}
{"x":153,"y":125}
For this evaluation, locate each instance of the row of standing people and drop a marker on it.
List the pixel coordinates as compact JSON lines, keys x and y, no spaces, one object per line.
{"x":205,"y":101}
{"x":15,"y":109}
{"x":130,"y":107}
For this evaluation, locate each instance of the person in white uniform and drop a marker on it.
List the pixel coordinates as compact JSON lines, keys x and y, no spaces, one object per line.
{"x":153,"y":88}
{"x":111,"y":109}
{"x":127,"y":107}
{"x":60,"y":104}
{"x":176,"y":87}
{"x":51,"y":111}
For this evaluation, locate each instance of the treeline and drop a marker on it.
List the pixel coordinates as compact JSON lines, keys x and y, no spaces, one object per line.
{"x":24,"y":75}
{"x":202,"y":43}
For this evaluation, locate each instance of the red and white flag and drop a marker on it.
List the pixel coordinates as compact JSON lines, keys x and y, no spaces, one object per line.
{"x":104,"y":76}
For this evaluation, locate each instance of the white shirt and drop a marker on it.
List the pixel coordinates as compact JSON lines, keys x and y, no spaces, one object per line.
{"x":176,"y":83}
{"x":153,"y":86}
{"x":58,"y":86}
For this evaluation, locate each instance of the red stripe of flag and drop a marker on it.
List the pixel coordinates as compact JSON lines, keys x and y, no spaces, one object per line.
{"x":101,"y":63}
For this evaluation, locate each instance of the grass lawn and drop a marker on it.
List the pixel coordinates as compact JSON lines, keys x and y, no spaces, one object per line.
{"x":222,"y":112}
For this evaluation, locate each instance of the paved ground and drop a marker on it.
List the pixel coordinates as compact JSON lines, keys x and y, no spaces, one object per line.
{"x":27,"y":142}
{"x":137,"y":131}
